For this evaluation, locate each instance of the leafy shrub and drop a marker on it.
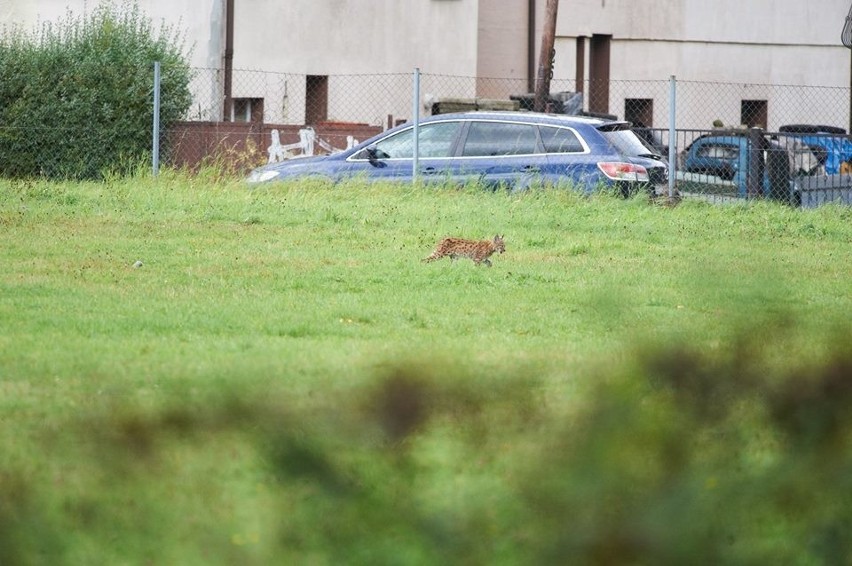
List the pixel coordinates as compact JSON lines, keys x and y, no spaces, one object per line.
{"x":76,"y":97}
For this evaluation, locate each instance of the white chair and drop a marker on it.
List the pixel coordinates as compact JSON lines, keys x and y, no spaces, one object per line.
{"x":279,"y":152}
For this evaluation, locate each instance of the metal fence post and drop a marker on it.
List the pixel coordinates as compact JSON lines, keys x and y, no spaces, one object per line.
{"x":415,"y":112}
{"x":155,"y":150}
{"x":754,"y":181}
{"x":672,"y":134}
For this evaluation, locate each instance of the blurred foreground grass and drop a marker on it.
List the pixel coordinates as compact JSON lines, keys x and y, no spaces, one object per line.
{"x":282,"y":380}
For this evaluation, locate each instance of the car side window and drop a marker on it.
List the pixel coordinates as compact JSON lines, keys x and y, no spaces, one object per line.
{"x":717,"y":151}
{"x":560,"y":140}
{"x":436,"y":140}
{"x":500,"y":138}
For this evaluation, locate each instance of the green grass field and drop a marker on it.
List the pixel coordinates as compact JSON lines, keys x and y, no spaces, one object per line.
{"x":282,"y":380}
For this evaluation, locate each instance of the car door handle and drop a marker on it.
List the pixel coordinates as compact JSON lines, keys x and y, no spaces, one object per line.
{"x":429,"y":170}
{"x":530,"y":169}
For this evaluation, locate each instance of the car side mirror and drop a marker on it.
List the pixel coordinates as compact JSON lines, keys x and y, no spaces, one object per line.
{"x":375,"y":156}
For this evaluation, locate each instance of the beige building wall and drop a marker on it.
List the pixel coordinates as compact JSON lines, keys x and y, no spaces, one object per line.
{"x":503,"y":46}
{"x":758,"y":41}
{"x":200,"y":21}
{"x":748,"y":43}
{"x":335,"y":37}
{"x":746,"y":46}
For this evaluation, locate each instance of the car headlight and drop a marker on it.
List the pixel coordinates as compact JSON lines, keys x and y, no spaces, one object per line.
{"x":262,"y":175}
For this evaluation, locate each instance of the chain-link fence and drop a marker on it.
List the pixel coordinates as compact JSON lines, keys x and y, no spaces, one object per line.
{"x":281,"y":98}
{"x":252,"y":117}
{"x":729,"y":140}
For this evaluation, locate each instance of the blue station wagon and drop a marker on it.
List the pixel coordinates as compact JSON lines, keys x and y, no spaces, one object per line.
{"x":515,"y":150}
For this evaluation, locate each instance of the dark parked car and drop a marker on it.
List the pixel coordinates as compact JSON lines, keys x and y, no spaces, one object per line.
{"x":722,"y":156}
{"x":721,"y":163}
{"x":516,"y":150}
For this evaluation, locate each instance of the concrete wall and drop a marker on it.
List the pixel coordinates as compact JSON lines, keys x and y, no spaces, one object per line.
{"x":335,"y":37}
{"x":502,"y":49}
{"x":750,"y":43}
{"x":199,"y":20}
{"x":745,"y":46}
{"x":757,"y":41}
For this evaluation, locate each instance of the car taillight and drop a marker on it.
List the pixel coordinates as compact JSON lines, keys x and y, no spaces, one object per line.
{"x":619,"y":171}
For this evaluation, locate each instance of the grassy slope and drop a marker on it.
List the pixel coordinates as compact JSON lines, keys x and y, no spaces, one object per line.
{"x":306,"y":293}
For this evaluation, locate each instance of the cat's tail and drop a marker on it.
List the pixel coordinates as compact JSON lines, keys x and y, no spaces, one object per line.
{"x":431,"y":258}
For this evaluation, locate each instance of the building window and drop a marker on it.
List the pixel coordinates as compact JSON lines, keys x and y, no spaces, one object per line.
{"x":316,"y":99}
{"x":247,"y":110}
{"x":754,"y":113}
{"x":639,"y":111}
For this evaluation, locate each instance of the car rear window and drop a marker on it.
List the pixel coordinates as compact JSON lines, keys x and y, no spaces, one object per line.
{"x":560,"y":140}
{"x":624,"y":140}
{"x":718,"y":151}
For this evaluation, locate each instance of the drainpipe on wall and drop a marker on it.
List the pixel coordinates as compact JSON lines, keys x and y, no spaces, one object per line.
{"x":531,"y":45}
{"x":229,"y":60}
{"x":846,"y":39}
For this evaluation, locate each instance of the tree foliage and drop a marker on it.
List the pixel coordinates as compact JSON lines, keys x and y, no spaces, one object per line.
{"x":76,"y":96}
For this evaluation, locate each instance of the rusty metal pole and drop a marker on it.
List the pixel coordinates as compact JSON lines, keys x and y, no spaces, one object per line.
{"x":531,"y":45}
{"x":229,"y":61}
{"x":545,"y":57}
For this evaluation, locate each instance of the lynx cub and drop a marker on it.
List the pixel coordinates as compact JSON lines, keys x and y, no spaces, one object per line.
{"x":478,"y":251}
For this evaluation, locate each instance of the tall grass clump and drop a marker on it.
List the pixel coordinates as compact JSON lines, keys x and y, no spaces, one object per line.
{"x":76,"y":95}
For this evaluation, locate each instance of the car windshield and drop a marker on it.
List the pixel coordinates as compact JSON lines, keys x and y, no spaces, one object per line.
{"x":625,"y":141}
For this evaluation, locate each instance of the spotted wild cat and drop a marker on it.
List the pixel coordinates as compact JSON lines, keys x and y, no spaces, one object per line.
{"x":478,"y":251}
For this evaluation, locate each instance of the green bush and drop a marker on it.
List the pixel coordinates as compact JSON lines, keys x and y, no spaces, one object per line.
{"x":76,"y":97}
